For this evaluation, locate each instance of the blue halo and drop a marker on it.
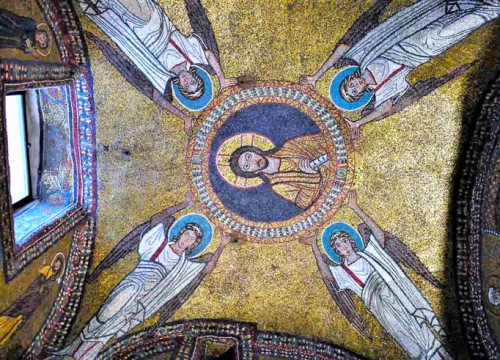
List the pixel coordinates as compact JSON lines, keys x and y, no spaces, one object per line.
{"x":205,"y":226}
{"x":204,"y":100}
{"x":336,"y":227}
{"x":337,"y":98}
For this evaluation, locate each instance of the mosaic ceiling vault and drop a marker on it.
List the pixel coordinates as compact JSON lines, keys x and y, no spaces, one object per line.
{"x":240,"y":179}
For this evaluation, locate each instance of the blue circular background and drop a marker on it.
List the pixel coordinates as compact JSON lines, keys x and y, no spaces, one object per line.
{"x":278,"y":122}
{"x":205,"y":225}
{"x":336,"y":227}
{"x":337,"y":98}
{"x":204,"y":100}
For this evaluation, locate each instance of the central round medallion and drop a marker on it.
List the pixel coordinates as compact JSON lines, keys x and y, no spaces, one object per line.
{"x":272,"y":162}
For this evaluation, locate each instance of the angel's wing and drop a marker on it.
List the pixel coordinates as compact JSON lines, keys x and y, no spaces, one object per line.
{"x":201,"y":25}
{"x":327,"y":260}
{"x":126,"y":245}
{"x":418,"y":91}
{"x":424,"y":87}
{"x":401,"y":254}
{"x":203,"y":259}
{"x":346,"y":304}
{"x":369,"y":20}
{"x":92,"y":7}
{"x":128,"y":70}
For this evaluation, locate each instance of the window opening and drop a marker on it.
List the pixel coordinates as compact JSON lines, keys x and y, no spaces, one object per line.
{"x":17,"y":139}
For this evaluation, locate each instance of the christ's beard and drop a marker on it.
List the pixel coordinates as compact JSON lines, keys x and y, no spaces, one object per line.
{"x":263,"y":163}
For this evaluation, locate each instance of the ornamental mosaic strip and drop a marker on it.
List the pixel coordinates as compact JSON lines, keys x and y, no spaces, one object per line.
{"x":182,"y":340}
{"x":269,"y":161}
{"x":20,"y":75}
{"x":57,"y":326}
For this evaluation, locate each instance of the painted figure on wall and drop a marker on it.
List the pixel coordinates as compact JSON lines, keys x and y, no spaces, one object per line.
{"x":163,"y":61}
{"x":168,"y":272}
{"x":20,"y":32}
{"x":370,"y":270}
{"x":384,"y":54}
{"x":297,"y":171}
{"x":21,"y":309}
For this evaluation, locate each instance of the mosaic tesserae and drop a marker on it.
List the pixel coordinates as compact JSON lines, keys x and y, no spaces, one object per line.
{"x":237,"y":179}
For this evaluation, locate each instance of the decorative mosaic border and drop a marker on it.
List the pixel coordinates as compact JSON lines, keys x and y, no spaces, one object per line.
{"x":17,"y":74}
{"x":75,"y":72}
{"x":30,"y":71}
{"x":15,"y":258}
{"x":326,"y":117}
{"x":40,"y":241}
{"x":65,"y":25}
{"x":480,"y":160}
{"x":286,"y":346}
{"x":141,"y":346}
{"x":58,"y":324}
{"x":181,"y":339}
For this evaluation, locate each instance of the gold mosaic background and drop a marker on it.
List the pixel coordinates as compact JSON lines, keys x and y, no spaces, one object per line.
{"x":20,"y":284}
{"x":407,"y":163}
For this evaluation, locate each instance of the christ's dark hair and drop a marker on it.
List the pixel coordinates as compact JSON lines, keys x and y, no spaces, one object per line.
{"x":235,"y":156}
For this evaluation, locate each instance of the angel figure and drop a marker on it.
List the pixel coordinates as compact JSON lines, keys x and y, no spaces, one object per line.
{"x":168,"y":272}
{"x":162,"y":62}
{"x":382,"y":54}
{"x":13,"y":318}
{"x":369,"y":268}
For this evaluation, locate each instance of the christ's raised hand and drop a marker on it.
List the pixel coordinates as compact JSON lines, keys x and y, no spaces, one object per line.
{"x":305,"y":166}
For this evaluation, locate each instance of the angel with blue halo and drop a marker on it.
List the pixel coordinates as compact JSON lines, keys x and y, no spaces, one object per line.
{"x":155,"y":57}
{"x":170,"y":269}
{"x":377,"y":56}
{"x":368,"y":266}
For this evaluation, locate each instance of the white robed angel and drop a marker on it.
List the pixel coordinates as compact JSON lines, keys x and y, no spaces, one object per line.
{"x":159,"y":53}
{"x":387,"y":52}
{"x":386,"y":291}
{"x":165,"y":277}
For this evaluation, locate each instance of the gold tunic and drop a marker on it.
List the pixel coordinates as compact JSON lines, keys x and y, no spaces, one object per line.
{"x":293,"y":184}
